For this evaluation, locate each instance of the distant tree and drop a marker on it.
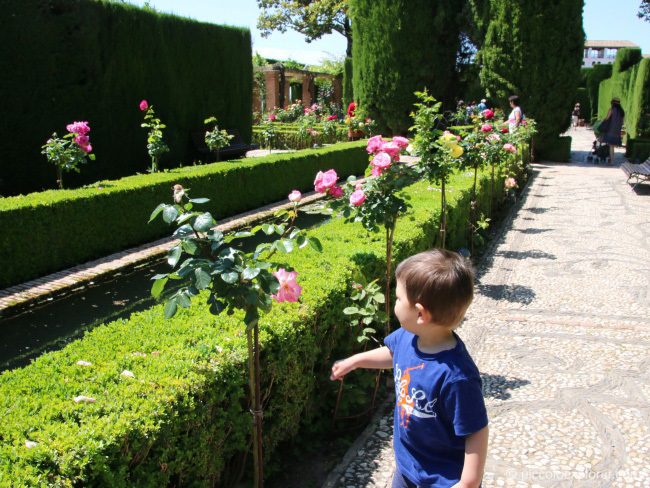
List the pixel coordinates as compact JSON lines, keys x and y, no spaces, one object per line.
{"x":644,"y":10}
{"x":312,"y":18}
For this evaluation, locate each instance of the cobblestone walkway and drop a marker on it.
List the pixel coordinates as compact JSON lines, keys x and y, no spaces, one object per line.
{"x":560,"y":330}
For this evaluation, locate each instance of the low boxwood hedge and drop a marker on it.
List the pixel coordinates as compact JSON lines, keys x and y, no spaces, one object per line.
{"x":557,"y":150}
{"x":49,"y":231}
{"x":184,"y":417}
{"x":637,"y":150}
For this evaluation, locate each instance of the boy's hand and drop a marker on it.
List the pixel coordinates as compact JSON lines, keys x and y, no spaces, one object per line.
{"x":341,"y":368}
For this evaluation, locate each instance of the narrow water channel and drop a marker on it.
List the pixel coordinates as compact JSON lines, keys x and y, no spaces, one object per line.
{"x":50,"y":326}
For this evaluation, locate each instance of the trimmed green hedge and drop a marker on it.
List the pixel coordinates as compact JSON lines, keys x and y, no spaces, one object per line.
{"x":637,"y":150}
{"x":184,"y":416}
{"x":558,"y":150}
{"x":52,"y":230}
{"x":288,"y":136}
{"x":66,"y":60}
{"x":348,"y":91}
{"x":630,"y":81}
{"x":595,"y":75}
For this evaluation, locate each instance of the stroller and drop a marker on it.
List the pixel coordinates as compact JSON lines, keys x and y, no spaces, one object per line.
{"x":599,"y":152}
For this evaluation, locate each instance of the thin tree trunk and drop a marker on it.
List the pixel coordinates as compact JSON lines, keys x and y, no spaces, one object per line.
{"x":59,"y":177}
{"x":472,"y":214}
{"x":390,"y":232}
{"x":252,"y":337}
{"x":443,"y":217}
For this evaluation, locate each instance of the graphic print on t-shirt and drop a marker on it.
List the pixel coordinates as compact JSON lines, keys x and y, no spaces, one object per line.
{"x":411,"y":401}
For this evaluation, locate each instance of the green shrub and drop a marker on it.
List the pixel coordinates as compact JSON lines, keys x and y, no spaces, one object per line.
{"x":292,"y":136}
{"x":184,"y":415}
{"x":516,"y":58}
{"x":399,"y":47}
{"x":68,"y":227}
{"x":596,"y":74}
{"x":582,"y":97}
{"x":558,"y":149}
{"x":348,"y":91}
{"x":65,"y":60}
{"x":637,"y":150}
{"x":630,"y":83}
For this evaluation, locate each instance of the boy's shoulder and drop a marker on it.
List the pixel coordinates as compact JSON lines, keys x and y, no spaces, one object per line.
{"x":456,"y":364}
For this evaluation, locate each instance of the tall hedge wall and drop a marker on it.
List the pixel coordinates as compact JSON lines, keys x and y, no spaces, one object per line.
{"x":48,"y":231}
{"x":401,"y":46}
{"x":630,"y":81}
{"x":596,"y":74}
{"x":534,"y":50}
{"x":348,"y":90}
{"x":65,"y":60}
{"x":184,"y":415}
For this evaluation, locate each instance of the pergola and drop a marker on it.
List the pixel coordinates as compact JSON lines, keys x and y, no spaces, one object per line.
{"x":278,"y":80}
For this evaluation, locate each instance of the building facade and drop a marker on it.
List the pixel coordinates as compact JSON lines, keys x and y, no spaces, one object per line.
{"x":602,"y":52}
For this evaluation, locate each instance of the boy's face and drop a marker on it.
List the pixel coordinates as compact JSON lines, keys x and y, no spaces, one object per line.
{"x":407,"y":313}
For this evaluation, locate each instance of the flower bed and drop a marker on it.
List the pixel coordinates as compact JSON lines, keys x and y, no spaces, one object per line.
{"x":67,"y":227}
{"x":183,"y":415}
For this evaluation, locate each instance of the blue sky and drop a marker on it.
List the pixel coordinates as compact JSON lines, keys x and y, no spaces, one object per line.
{"x":603,"y":20}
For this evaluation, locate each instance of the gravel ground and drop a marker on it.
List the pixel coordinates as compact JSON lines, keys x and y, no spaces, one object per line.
{"x":560,"y":329}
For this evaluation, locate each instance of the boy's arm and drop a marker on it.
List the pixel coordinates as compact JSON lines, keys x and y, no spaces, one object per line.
{"x":380,"y":358}
{"x":475,"y":454}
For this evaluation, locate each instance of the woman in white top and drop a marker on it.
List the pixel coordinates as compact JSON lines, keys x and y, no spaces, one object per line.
{"x":516,"y":116}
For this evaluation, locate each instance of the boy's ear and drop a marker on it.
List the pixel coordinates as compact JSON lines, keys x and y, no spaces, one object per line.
{"x":424,"y":316}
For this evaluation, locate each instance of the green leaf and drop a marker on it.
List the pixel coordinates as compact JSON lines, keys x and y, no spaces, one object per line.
{"x":369,"y":330}
{"x":302,"y":241}
{"x":158,"y":287}
{"x":202,"y":279}
{"x":174,"y":255}
{"x":315,"y":243}
{"x":170,"y":308}
{"x":250,"y":273}
{"x":350,"y":310}
{"x":157,"y":211}
{"x":379,"y":298}
{"x":242,"y":234}
{"x":250,"y":318}
{"x":368,"y":320}
{"x":268,"y":229}
{"x":170,"y":213}
{"x":199,"y":200}
{"x":288,"y":245}
{"x":190,"y":246}
{"x":204,"y":222}
{"x":183,"y":300}
{"x":279,"y":245}
{"x":230,"y":278}
{"x":216,"y":307}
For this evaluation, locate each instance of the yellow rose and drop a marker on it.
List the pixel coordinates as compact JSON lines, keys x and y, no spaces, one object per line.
{"x":456,"y":151}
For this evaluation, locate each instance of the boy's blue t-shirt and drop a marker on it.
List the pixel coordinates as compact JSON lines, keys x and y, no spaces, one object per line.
{"x":439,"y":402}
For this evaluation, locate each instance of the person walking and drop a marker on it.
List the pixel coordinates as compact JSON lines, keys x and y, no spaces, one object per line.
{"x":575,"y":115}
{"x":610,"y":127}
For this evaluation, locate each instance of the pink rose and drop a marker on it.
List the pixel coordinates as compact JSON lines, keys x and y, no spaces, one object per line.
{"x":272,"y":117}
{"x":504,"y":130}
{"x":374,"y":144}
{"x":336,"y":191}
{"x":510,"y":183}
{"x":325,"y":181}
{"x":494,"y":137}
{"x":332,"y":117}
{"x":382,"y":161}
{"x":488,"y":114}
{"x":392,"y":149}
{"x":84,"y":143}
{"x":357,"y":198}
{"x":289,"y":290}
{"x":358,"y":186}
{"x":509,"y":148}
{"x":295,"y":196}
{"x":402,"y":142}
{"x":376,"y":171}
{"x":79,"y":128}
{"x":486,"y":128}
{"x":144,"y":105}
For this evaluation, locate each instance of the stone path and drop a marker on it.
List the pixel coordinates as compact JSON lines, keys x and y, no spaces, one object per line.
{"x":560,"y":330}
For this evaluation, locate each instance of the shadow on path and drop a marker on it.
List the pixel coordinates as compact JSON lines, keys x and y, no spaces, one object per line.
{"x":498,"y":386}
{"x":509,"y":293}
{"x":532,"y":254}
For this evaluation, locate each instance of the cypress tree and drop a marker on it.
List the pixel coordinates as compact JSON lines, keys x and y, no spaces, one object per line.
{"x":534,"y":50}
{"x":403,"y":46}
{"x":348,"y":92}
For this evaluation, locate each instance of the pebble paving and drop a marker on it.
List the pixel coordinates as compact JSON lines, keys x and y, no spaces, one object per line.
{"x":560,"y":329}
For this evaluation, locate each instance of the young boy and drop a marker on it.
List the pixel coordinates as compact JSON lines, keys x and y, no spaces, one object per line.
{"x":440,"y":425}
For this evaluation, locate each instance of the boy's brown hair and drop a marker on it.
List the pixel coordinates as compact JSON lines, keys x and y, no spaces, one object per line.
{"x":441,"y":281}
